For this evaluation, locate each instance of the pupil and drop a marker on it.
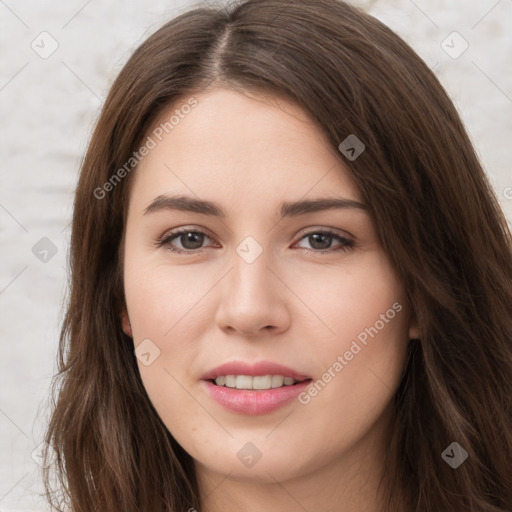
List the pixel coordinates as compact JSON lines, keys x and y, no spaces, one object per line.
{"x":195,"y":239}
{"x":315,"y":238}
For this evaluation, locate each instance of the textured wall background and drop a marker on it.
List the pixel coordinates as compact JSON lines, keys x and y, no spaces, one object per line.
{"x":48,"y":105}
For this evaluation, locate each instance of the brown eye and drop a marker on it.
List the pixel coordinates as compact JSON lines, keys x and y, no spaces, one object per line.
{"x":320,"y":242}
{"x":190,"y":240}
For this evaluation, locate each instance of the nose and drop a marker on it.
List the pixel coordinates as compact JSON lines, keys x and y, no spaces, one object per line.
{"x":253,"y":299}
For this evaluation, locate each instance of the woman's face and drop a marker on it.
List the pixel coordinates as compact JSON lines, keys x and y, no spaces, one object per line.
{"x":259,"y":284}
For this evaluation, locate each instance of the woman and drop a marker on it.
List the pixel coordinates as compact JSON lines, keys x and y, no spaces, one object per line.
{"x":291,"y":281}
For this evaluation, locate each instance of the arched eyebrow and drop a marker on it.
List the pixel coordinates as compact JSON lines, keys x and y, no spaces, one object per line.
{"x":287,"y":209}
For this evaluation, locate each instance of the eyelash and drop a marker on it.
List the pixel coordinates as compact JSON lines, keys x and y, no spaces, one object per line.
{"x":166,"y":239}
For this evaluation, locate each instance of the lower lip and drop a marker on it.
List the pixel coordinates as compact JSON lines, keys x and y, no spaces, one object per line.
{"x":252,"y":402}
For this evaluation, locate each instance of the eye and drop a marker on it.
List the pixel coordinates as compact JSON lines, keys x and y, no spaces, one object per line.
{"x":321,"y":241}
{"x":191,"y":241}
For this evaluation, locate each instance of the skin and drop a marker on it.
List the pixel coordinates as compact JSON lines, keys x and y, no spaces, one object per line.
{"x":248,"y":153}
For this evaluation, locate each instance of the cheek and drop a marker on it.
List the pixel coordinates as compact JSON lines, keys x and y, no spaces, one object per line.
{"x":348,"y":301}
{"x":361,"y":353}
{"x":169,"y":317}
{"x":161,"y":298}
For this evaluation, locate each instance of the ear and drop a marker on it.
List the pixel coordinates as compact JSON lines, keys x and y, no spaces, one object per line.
{"x":414,"y":329}
{"x":127,"y":327}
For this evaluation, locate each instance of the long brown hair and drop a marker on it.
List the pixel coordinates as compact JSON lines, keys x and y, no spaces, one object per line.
{"x":433,"y":208}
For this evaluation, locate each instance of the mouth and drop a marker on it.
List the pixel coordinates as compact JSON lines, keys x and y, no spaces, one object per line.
{"x":254,"y":389}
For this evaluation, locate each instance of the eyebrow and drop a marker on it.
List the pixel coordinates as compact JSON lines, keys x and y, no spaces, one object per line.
{"x":287,"y":209}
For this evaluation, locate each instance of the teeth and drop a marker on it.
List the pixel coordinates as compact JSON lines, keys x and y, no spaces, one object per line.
{"x":258,"y":382}
{"x":243,"y":382}
{"x":277,"y":381}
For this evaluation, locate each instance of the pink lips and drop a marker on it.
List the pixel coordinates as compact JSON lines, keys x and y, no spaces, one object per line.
{"x":253,"y":402}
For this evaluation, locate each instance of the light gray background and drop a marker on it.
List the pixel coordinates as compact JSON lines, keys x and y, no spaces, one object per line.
{"x":48,"y":108}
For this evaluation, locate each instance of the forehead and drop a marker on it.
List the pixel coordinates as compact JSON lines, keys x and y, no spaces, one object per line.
{"x":243,"y":148}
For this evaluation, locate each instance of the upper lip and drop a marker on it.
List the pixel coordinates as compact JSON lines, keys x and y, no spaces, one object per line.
{"x":254,"y":369}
